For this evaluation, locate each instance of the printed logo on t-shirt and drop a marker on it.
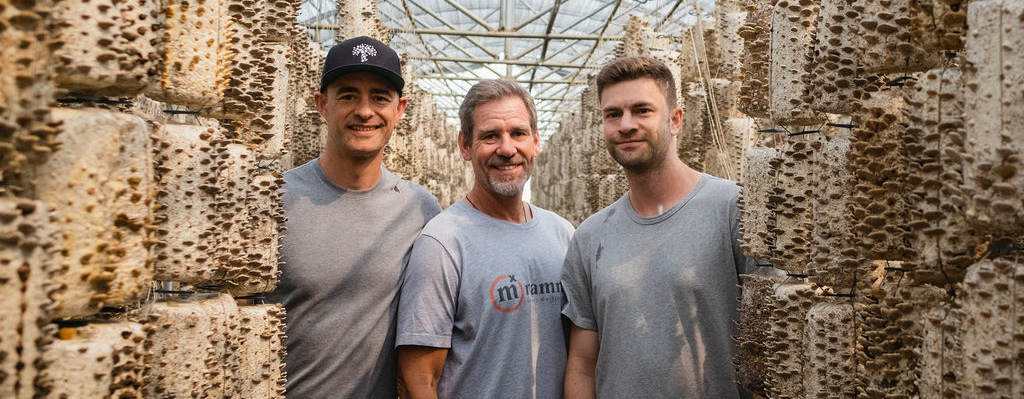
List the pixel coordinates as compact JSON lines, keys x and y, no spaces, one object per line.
{"x":508,"y":293}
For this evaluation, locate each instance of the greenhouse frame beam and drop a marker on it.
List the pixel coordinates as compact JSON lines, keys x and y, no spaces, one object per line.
{"x":507,"y":62}
{"x":470,"y":33}
{"x":470,"y":78}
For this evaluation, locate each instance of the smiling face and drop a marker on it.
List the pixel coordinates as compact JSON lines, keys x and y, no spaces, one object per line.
{"x":503,"y":146}
{"x":638,"y":125}
{"x":361,"y":110}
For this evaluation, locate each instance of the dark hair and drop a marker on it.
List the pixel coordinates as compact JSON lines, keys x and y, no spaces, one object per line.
{"x":632,"y":68}
{"x":491,"y":90}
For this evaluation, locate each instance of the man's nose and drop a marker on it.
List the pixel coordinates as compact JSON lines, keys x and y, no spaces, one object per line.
{"x":505,"y":146}
{"x":364,"y":110}
{"x":627,"y":123}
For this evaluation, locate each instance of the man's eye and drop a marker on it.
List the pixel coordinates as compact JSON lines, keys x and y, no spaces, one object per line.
{"x":611,"y":115}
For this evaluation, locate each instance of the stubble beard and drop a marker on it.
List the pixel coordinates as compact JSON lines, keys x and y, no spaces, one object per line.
{"x":648,"y":158}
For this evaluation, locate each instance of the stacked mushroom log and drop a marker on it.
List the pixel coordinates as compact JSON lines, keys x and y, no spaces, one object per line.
{"x":79,"y":358}
{"x":792,"y":34}
{"x":758,"y":202}
{"x":992,"y":177}
{"x":756,"y":34}
{"x":27,"y":274}
{"x":911,"y":224}
{"x":837,"y":77}
{"x":943,"y":238}
{"x":832,"y":261}
{"x":27,"y":89}
{"x":754,"y":332}
{"x":306,"y":132}
{"x":99,"y":189}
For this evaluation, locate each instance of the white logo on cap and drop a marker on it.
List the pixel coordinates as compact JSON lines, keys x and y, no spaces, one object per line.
{"x":364,"y":50}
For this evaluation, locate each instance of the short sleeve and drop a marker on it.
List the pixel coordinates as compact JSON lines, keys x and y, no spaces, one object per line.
{"x":427,"y":297}
{"x":576,"y":284}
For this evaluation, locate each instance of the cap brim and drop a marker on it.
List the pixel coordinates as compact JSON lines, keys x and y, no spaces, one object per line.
{"x":337,"y":72}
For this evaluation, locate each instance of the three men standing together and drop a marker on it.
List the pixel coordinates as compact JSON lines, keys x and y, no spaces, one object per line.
{"x":474,"y":303}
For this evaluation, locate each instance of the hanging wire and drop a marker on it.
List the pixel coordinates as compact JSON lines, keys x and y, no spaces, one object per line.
{"x":701,"y":57}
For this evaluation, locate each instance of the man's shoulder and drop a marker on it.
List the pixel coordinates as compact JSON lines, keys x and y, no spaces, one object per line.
{"x":444,"y":226}
{"x":717,"y":193}
{"x":300,"y":172}
{"x":602,"y":221}
{"x":721,"y":187}
{"x":418,"y":192}
{"x":302,"y":176}
{"x":555,"y":218}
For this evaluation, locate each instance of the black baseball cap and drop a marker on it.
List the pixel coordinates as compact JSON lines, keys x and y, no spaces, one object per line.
{"x":362,"y":53}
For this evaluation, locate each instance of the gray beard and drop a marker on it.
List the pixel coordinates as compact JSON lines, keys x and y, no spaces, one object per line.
{"x":508,"y":189}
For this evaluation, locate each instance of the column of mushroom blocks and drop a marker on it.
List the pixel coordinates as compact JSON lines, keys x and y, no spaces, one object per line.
{"x":136,"y":245}
{"x":894,"y":205}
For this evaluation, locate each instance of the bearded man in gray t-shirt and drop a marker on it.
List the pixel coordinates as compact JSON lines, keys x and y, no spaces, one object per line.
{"x":351,"y":224}
{"x":652,"y":280}
{"x":479,"y":313}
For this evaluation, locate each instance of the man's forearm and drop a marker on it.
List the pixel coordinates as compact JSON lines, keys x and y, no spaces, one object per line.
{"x":419,"y":371}
{"x":417,"y":390}
{"x":579,"y":380}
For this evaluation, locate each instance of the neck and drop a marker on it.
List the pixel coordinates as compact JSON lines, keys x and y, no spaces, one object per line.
{"x":511,"y":209}
{"x":655,"y":191}
{"x":351,"y":173}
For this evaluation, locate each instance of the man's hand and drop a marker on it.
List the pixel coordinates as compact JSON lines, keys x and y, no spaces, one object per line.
{"x":579,"y":369}
{"x":419,"y":370}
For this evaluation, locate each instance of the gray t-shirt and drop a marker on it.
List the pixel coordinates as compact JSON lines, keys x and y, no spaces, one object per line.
{"x":489,"y":290}
{"x":343,"y":254}
{"x":661,"y":292}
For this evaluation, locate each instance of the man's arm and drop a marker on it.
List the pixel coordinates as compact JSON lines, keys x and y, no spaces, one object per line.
{"x":419,"y":370}
{"x":579,"y":368}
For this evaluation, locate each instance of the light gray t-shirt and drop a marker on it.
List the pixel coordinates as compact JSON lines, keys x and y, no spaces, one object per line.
{"x":661,"y":293}
{"x":343,"y":254}
{"x":489,"y":290}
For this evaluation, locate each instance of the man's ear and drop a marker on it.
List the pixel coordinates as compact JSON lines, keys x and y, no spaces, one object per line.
{"x":320,"y":99}
{"x":402,"y":103}
{"x":462,"y":146}
{"x":676,"y":120}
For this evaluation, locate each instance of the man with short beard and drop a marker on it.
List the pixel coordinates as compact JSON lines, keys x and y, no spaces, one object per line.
{"x":479,"y":314}
{"x":652,"y":280}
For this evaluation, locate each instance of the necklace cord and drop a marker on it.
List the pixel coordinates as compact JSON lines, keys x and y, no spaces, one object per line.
{"x":526,"y":215}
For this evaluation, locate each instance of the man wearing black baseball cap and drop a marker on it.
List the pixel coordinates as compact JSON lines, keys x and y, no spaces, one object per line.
{"x":350,"y":225}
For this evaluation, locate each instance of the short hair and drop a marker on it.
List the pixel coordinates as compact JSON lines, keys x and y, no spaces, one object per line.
{"x":491,"y":90}
{"x":632,"y":68}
